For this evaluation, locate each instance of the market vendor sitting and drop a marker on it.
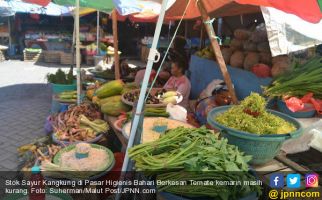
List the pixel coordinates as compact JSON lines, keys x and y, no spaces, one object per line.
{"x":178,"y":81}
{"x":162,"y":77}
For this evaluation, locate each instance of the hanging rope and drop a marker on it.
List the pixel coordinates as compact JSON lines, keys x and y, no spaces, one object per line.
{"x":212,"y":34}
{"x":167,"y":51}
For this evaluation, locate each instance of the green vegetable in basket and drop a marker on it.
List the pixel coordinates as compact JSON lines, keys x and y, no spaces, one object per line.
{"x":68,"y":95}
{"x":97,"y":125}
{"x":61,"y":77}
{"x":251,"y":116}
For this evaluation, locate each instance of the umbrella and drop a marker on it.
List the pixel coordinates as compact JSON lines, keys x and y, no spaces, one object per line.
{"x":23,"y":7}
{"x":309,"y":10}
{"x":5,"y":10}
{"x":218,"y":8}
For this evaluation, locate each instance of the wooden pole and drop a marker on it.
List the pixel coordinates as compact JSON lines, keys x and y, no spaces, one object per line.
{"x":116,"y":49}
{"x":9,"y":30}
{"x":201,"y":38}
{"x":217,"y":51}
{"x":186,"y":29}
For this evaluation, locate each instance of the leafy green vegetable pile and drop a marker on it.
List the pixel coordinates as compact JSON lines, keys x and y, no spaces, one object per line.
{"x":194,"y":154}
{"x":238,"y":117}
{"x":304,"y":79}
{"x":61,"y":78}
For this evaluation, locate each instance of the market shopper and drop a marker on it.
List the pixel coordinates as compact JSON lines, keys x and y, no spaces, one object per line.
{"x":178,"y":81}
{"x":178,"y":49}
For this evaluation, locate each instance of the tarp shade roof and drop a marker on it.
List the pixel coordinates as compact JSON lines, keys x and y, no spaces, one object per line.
{"x":101,"y":5}
{"x":309,"y":10}
{"x":215,"y":8}
{"x":23,"y":7}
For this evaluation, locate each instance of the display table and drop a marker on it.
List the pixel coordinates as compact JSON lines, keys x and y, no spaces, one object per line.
{"x":111,"y":120}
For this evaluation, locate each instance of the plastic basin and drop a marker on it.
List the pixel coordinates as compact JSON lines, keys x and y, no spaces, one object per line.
{"x":300,"y":114}
{"x":58,"y":88}
{"x":263,"y":148}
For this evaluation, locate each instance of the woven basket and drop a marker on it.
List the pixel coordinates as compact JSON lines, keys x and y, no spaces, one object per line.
{"x":32,"y":56}
{"x":52,"y":56}
{"x":67,"y":58}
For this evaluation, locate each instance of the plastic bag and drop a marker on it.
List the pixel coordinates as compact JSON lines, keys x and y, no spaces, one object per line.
{"x":296,"y":104}
{"x":177,"y":112}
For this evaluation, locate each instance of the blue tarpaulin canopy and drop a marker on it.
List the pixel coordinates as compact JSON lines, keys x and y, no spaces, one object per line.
{"x":5,"y":9}
{"x":14,"y":6}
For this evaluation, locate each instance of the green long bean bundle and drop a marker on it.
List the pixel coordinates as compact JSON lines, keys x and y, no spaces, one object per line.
{"x":195,"y":155}
{"x":196,"y":149}
{"x":304,"y":79}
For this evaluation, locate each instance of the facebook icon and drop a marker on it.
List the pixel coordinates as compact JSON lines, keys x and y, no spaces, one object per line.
{"x":276,"y":181}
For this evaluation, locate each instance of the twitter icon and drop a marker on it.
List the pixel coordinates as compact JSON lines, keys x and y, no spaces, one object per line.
{"x":293,"y":180}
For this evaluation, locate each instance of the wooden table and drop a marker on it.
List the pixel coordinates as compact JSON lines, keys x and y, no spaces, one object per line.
{"x":111,"y":120}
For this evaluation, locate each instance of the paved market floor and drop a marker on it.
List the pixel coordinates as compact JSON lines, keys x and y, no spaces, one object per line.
{"x":25,"y":101}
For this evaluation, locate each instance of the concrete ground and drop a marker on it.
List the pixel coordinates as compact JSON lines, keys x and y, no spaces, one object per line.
{"x":25,"y":101}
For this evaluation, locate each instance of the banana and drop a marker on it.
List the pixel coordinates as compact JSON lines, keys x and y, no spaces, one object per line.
{"x":171,"y":99}
{"x":26,"y":147}
{"x":169,"y":94}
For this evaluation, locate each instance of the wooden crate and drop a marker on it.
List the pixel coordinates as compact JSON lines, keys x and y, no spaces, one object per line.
{"x":67,"y":58}
{"x":32,"y":56}
{"x":52,"y":56}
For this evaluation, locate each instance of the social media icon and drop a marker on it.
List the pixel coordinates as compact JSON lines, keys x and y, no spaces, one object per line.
{"x":277,"y":181}
{"x":312,"y":180}
{"x":293,"y":180}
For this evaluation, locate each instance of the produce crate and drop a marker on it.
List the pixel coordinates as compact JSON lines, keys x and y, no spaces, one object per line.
{"x":32,"y":56}
{"x":67,"y":58}
{"x":52,"y":56}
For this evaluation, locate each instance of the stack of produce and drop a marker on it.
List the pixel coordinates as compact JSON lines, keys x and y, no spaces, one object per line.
{"x":108,"y":96}
{"x":91,"y":49}
{"x":79,"y":123}
{"x":68,"y":96}
{"x":304,"y":79}
{"x":152,"y":112}
{"x":40,"y":150}
{"x":206,"y":53}
{"x":90,"y":90}
{"x":251,"y":116}
{"x":193,"y":154}
{"x":61,"y":77}
{"x":247,"y":49}
{"x":156,"y":96}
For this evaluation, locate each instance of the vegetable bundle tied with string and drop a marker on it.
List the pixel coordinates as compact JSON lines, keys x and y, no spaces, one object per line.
{"x":196,"y":149}
{"x":304,"y":79}
{"x":194,"y":154}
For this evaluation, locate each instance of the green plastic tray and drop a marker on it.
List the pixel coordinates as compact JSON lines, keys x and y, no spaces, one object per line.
{"x":105,"y":168}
